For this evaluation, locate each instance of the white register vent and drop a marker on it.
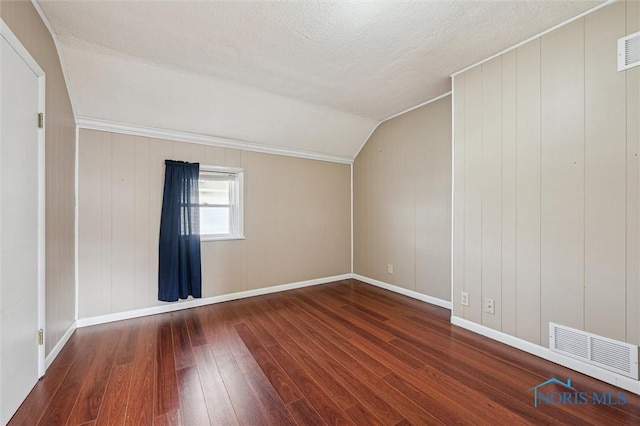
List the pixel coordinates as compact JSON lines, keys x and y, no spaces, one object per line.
{"x":629,"y":51}
{"x":612,"y":355}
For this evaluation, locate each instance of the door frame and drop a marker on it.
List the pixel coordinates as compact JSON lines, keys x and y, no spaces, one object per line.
{"x":24,"y":54}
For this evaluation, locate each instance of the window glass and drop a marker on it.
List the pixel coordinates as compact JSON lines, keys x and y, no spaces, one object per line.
{"x":214,"y":221}
{"x":213,"y":191}
{"x":220,"y":193}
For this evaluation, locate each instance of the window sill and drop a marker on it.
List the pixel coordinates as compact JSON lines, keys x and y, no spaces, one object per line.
{"x":222,"y":238}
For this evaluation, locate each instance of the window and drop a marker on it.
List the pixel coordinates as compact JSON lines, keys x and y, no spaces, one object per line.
{"x":220,"y":190}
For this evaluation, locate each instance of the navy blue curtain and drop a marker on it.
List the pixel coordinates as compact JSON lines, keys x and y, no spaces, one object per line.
{"x":179,"y":270}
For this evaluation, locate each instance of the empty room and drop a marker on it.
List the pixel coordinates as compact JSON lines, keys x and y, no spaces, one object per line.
{"x":319,"y":212}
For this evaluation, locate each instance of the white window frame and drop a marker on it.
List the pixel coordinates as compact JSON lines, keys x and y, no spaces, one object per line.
{"x":236,"y":212}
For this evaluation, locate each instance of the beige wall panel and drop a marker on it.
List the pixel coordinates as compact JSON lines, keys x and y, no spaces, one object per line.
{"x":570,"y":159}
{"x":233,"y":158}
{"x":220,"y":155}
{"x":261,"y":227}
{"x":89,"y":224}
{"x":361,"y":207}
{"x":123,"y":223}
{"x":458,"y":192}
{"x":379,"y":215}
{"x":198,"y":153}
{"x":492,"y":190}
{"x":225,"y":274}
{"x":402,"y":202}
{"x":337,"y":242}
{"x":605,"y":175}
{"x":103,"y":305}
{"x":181,"y":151}
{"x":24,"y":22}
{"x":291,"y":199}
{"x":401,"y":215}
{"x":142,"y":232}
{"x":562,"y":183}
{"x":381,"y":235}
{"x":473,"y":194}
{"x":297,"y":221}
{"x":432,"y":165}
{"x":209,"y":155}
{"x":633,"y":184}
{"x":528,"y":193}
{"x":509,"y":194}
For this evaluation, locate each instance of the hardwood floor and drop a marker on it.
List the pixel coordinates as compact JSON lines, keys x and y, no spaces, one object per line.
{"x":340,"y":353}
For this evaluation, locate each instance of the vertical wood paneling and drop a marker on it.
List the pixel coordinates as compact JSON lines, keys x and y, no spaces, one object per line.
{"x":296,"y":213}
{"x":210,"y":156}
{"x":570,"y":245}
{"x":90,"y":232}
{"x":605,"y":175}
{"x":562,"y":183}
{"x":402,"y":201}
{"x":492,"y":190}
{"x":633,"y":184}
{"x":379,"y":213}
{"x":400,"y":221}
{"x":198,"y":153}
{"x":180,"y":151}
{"x":432,"y":168}
{"x":103,"y":304}
{"x":528,"y":192}
{"x":473,"y":194}
{"x":220,"y":155}
{"x":361,"y":208}
{"x":509,"y":194}
{"x":142,"y":234}
{"x":233,"y":158}
{"x":458,"y":191}
{"x":122,"y":223}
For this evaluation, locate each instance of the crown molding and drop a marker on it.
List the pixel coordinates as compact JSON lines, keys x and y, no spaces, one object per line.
{"x":153,"y":132}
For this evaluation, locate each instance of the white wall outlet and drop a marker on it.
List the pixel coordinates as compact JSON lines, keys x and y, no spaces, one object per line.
{"x":490,"y":306}
{"x":390,"y":269}
{"x":464,"y":299}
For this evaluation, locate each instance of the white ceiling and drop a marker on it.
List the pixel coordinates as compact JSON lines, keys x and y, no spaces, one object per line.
{"x":307,"y":75}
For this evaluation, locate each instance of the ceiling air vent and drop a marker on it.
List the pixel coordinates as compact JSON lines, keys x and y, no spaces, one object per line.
{"x":612,"y":355}
{"x":629,"y":51}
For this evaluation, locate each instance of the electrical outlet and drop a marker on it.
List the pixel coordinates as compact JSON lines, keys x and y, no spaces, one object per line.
{"x":490,"y":306}
{"x":390,"y":269}
{"x":464,"y":299}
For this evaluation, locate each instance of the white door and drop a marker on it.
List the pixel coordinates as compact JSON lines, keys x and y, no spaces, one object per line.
{"x":20,"y":224}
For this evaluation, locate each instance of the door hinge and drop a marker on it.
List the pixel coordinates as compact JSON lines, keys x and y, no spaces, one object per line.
{"x":40,"y":337}
{"x":40,"y":120}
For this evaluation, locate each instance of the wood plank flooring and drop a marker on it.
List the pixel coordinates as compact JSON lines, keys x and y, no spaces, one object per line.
{"x":339,"y":353}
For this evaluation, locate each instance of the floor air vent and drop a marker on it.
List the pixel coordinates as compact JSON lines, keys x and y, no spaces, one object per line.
{"x":629,"y":51}
{"x":619,"y":357}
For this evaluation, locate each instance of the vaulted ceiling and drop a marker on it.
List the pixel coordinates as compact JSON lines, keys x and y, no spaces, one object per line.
{"x":309,"y":75}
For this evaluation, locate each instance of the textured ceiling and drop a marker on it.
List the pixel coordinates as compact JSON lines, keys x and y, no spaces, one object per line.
{"x":307,"y":75}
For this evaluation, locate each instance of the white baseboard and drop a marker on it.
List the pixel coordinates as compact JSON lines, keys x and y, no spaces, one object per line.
{"x":58,"y":347}
{"x":413,"y":294}
{"x":545,"y":353}
{"x":192,"y":303}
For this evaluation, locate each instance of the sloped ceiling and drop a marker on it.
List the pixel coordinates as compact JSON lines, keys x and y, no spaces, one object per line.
{"x":309,"y":75}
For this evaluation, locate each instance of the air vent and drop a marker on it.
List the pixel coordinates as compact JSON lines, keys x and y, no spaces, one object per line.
{"x":619,"y":357}
{"x":629,"y":51}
